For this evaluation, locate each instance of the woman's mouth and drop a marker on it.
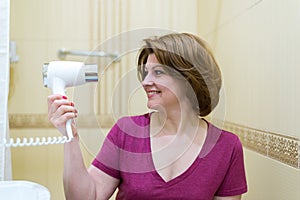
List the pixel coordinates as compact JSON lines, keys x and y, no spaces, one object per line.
{"x":152,"y":93}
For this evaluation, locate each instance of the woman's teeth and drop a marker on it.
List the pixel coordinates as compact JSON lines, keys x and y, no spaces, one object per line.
{"x":153,"y":92}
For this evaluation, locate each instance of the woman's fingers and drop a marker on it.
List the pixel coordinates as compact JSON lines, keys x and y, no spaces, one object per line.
{"x":56,"y":101}
{"x":63,"y":112}
{"x":60,"y":110}
{"x":60,"y":120}
{"x":54,"y":97}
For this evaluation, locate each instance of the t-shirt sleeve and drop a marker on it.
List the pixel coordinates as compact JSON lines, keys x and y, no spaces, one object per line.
{"x":234,"y":182}
{"x":107,"y":160}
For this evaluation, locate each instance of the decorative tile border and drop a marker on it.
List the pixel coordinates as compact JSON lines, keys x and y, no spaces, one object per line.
{"x":19,"y":121}
{"x":279,"y":147}
{"x":27,"y":121}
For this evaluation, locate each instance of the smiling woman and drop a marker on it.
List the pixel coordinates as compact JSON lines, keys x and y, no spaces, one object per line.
{"x":162,"y":90}
{"x":256,"y":44}
{"x":168,"y":153}
{"x":192,"y":61}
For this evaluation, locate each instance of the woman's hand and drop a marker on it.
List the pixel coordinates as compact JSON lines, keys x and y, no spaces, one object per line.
{"x":60,"y":109}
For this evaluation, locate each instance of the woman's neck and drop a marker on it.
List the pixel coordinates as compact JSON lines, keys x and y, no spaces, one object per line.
{"x":174,"y":121}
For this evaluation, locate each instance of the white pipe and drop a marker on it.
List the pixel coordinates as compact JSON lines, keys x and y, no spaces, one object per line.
{"x":5,"y":165}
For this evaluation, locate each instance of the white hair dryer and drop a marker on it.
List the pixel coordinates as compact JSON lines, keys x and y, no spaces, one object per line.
{"x":58,"y":75}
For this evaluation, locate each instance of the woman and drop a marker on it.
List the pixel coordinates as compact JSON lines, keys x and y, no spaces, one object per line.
{"x":171,"y":152}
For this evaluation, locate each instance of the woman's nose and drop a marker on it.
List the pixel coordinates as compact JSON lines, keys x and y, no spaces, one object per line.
{"x":148,"y":80}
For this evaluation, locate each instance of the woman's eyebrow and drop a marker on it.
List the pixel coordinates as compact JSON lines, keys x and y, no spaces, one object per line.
{"x":154,"y":65}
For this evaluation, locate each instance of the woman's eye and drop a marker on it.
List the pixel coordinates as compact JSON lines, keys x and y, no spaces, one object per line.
{"x":145,"y":73}
{"x":158,"y":72}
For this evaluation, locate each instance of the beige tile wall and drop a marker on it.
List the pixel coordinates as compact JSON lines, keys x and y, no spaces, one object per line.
{"x":255,"y":43}
{"x":40,"y":29}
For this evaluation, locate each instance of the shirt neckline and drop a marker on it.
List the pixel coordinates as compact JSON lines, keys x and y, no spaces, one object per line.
{"x":189,"y":170}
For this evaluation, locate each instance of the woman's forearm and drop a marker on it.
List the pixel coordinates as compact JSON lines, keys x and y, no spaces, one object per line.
{"x":77,"y":182}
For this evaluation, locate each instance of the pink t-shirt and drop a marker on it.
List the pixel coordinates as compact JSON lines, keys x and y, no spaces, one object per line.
{"x":126,"y":155}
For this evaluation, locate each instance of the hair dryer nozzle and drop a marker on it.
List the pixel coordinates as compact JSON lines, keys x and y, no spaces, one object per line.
{"x":45,"y":73}
{"x":91,"y":73}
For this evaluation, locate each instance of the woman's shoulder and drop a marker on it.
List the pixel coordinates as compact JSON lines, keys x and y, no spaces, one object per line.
{"x":131,"y":127}
{"x":219,"y":138}
{"x":220,"y":133}
{"x":141,"y":120}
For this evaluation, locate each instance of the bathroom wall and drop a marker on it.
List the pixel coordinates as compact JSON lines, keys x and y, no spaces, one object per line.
{"x":255,"y":42}
{"x":40,"y":28}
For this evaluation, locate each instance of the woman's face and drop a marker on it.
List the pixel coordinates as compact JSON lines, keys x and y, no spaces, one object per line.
{"x":163,"y":90}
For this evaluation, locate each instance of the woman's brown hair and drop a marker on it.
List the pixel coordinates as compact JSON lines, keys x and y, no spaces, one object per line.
{"x":191,"y":57}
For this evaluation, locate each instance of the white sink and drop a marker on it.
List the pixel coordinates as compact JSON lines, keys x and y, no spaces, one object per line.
{"x":23,"y":190}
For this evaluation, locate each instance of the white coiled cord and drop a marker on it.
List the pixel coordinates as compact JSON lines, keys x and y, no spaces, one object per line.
{"x":37,"y":141}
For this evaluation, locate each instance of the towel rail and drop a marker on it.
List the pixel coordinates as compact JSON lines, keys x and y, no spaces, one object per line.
{"x":62,"y":54}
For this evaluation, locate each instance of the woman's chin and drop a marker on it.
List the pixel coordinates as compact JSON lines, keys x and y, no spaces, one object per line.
{"x":156,"y":107}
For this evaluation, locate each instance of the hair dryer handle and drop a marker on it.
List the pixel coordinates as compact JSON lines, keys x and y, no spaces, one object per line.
{"x":69,"y":129}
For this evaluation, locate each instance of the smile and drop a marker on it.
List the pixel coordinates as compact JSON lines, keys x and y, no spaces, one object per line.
{"x":151,"y":93}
